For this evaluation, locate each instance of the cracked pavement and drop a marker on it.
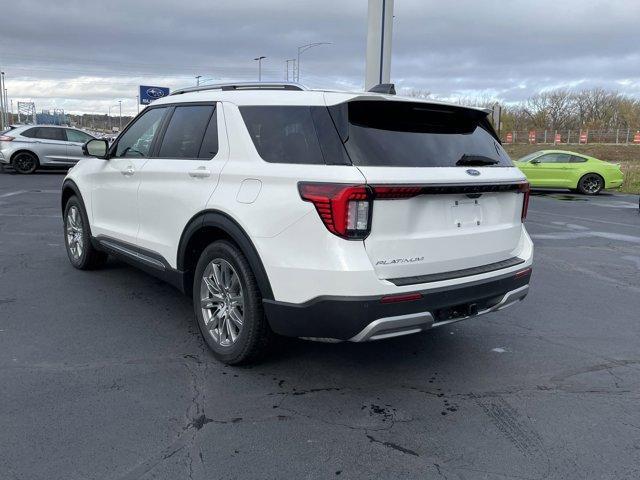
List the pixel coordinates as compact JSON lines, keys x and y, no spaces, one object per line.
{"x":104,"y":376}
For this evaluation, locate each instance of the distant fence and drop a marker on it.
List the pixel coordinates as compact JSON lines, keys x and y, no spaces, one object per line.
{"x":584,"y":137}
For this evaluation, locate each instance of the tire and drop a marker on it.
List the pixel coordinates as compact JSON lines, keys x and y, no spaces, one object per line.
{"x":77,"y":238}
{"x":225,"y":291}
{"x":590,"y":184}
{"x":25,"y":163}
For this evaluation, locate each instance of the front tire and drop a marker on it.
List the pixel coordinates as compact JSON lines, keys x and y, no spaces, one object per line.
{"x":77,"y":238}
{"x":25,"y":163}
{"x":590,"y":184}
{"x":228,"y":305}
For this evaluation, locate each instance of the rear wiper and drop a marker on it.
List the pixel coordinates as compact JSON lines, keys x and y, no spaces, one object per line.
{"x":476,"y":160}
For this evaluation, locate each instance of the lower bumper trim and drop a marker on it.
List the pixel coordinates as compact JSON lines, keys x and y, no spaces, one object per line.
{"x":359,"y":319}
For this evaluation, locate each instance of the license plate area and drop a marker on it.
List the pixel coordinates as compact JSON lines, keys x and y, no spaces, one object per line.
{"x":466,"y":213}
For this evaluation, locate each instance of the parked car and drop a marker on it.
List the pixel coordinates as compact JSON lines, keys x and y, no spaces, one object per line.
{"x":333,"y":215}
{"x":29,"y":147}
{"x":575,"y":171}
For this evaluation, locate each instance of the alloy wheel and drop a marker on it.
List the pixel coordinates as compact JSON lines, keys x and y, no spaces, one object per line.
{"x":24,"y":163}
{"x":75,"y":241}
{"x":222,"y":302}
{"x":591,"y":184}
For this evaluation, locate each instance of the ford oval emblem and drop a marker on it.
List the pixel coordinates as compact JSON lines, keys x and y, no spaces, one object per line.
{"x":473,"y":172}
{"x":155,"y":93}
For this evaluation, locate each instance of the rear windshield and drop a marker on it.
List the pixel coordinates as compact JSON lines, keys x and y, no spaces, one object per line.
{"x":406,"y":134}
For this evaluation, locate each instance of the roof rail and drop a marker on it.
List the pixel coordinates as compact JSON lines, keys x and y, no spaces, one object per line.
{"x":242,"y":86}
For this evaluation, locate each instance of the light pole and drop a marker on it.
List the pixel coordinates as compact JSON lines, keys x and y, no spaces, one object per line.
{"x":293,"y":71}
{"x":198,"y":80}
{"x":3,"y":107}
{"x":138,"y":102}
{"x":259,"y":59}
{"x":303,"y":49}
{"x":120,"y":123}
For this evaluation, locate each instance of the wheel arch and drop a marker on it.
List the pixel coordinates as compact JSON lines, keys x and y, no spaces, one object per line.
{"x":69,"y":189}
{"x":591,"y":172}
{"x":207,"y":227}
{"x":24,"y":150}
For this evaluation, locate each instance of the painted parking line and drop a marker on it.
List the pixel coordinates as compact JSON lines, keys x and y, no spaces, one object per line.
{"x":573,"y":217}
{"x":20,"y":192}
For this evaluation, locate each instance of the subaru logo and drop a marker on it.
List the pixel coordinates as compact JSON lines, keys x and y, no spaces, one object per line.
{"x":473,"y":172}
{"x":155,"y":93}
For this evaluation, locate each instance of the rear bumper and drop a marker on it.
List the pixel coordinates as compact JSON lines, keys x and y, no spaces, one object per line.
{"x":367,"y":318}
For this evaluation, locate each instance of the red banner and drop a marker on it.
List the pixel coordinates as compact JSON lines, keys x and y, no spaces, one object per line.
{"x":558,"y":138}
{"x":510,"y":138}
{"x":636,"y":137}
{"x":532,"y":136}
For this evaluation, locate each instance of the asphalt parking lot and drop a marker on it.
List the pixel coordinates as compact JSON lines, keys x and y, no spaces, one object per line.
{"x":103,"y":374}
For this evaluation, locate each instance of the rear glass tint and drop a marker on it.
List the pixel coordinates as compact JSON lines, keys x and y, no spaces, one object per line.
{"x":406,"y":134}
{"x":284,"y":134}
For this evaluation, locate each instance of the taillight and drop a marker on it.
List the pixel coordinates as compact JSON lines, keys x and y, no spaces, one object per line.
{"x":5,"y":138}
{"x":344,"y":209}
{"x":524,"y":189}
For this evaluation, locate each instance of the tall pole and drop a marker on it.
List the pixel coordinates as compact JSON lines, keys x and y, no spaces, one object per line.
{"x":138,"y":102}
{"x":109,"y":119}
{"x":303,"y":49}
{"x":379,"y":35}
{"x":120,"y":125}
{"x":198,"y":80}
{"x":259,"y":59}
{"x":2,"y":105}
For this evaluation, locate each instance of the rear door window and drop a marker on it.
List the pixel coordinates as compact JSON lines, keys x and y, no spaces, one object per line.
{"x":186,"y":131}
{"x":51,"y":133}
{"x":407,"y":134}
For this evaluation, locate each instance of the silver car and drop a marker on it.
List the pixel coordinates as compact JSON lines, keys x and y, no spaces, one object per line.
{"x":28,"y":147}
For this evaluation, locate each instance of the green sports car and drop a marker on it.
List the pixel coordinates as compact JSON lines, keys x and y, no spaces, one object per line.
{"x":563,"y":169}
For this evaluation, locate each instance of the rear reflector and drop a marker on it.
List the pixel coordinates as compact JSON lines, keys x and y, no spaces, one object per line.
{"x":409,"y":297}
{"x":5,"y":138}
{"x":525,"y":189}
{"x":523,"y":273}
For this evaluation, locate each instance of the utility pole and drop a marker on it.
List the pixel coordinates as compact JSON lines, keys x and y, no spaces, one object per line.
{"x":198,"y":80}
{"x":259,"y":59}
{"x":293,"y":70}
{"x":379,"y":35}
{"x":138,"y":102}
{"x":303,"y":49}
{"x":120,"y":105}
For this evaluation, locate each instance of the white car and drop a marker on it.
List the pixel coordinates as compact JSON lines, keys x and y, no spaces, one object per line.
{"x":316,"y":214}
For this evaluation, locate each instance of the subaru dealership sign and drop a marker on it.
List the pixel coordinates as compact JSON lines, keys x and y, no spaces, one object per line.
{"x":149,"y":94}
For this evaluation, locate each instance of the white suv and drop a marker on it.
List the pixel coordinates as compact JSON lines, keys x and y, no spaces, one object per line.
{"x":333,"y":215}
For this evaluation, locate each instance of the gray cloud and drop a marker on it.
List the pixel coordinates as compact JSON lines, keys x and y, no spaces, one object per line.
{"x":83,"y":56}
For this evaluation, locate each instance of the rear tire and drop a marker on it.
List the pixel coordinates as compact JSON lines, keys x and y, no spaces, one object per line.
{"x":228,"y":305}
{"x":25,"y":163}
{"x":590,"y":184}
{"x":77,"y":238}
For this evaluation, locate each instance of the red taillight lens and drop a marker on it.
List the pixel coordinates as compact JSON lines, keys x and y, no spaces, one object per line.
{"x":344,"y":209}
{"x":524,"y":189}
{"x":396,"y":192}
{"x":5,"y":138}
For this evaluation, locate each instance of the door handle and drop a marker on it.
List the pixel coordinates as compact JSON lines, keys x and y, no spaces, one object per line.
{"x":127,"y":172}
{"x":200,"y":172}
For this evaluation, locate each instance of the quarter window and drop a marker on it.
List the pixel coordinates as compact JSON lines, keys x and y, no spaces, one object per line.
{"x":137,"y":140}
{"x":576,"y":159}
{"x":186,"y":131}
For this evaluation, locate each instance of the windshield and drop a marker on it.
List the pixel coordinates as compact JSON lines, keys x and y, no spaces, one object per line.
{"x":406,"y":134}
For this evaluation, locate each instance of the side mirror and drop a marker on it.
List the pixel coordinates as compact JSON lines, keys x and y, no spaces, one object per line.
{"x":535,"y":161}
{"x":97,"y":147}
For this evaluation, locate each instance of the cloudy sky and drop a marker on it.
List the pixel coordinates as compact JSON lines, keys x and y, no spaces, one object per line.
{"x":83,"y":56}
